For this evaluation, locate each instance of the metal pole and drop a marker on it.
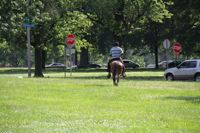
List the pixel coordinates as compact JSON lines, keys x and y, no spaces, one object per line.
{"x":166,"y":59}
{"x":65,"y":59}
{"x":70,"y":52}
{"x":29,"y":51}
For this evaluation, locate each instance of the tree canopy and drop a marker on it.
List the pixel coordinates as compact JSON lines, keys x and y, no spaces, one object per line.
{"x":97,"y":24}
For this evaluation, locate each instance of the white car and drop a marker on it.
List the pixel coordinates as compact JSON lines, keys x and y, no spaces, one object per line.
{"x":55,"y":65}
{"x":189,"y":69}
{"x":162,"y":64}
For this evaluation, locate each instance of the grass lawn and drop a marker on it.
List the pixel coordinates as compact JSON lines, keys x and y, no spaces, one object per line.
{"x":88,"y":102}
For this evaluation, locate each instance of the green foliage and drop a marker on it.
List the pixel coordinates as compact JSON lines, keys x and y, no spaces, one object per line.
{"x":186,"y":25}
{"x":4,"y":52}
{"x":11,"y":16}
{"x":96,"y":24}
{"x":76,"y":23}
{"x":123,"y":20}
{"x":158,"y":11}
{"x":11,"y":56}
{"x":55,"y":53}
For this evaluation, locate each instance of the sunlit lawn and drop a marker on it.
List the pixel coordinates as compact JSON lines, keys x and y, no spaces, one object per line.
{"x":88,"y":102}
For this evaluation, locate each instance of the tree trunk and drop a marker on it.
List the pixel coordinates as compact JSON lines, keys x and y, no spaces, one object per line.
{"x":15,"y":59}
{"x":44,"y":53}
{"x":156,"y":44}
{"x":38,"y":62}
{"x":84,"y":58}
{"x":156,"y":55}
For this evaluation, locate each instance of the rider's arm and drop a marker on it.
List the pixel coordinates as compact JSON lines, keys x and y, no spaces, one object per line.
{"x":110,"y":54}
{"x":122,"y":52}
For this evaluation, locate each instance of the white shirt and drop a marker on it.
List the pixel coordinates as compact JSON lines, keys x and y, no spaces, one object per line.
{"x":116,"y":52}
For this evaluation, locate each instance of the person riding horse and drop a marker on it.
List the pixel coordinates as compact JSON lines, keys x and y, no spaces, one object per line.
{"x":115,"y":53}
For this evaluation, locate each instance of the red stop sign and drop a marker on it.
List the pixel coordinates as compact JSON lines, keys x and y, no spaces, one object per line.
{"x":177,"y":48}
{"x":70,"y":40}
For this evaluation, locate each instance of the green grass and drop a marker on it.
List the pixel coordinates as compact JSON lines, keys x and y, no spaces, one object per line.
{"x":88,"y":102}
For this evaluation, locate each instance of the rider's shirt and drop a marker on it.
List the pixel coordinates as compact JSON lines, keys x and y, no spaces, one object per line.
{"x":116,"y":52}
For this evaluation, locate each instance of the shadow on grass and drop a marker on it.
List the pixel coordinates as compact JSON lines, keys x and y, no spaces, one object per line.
{"x":25,"y":70}
{"x":49,"y":70}
{"x":193,"y":99}
{"x":136,"y":78}
{"x":14,"y":71}
{"x":148,"y":78}
{"x":60,"y":70}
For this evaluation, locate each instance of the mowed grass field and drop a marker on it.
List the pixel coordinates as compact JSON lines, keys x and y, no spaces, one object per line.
{"x":88,"y":102}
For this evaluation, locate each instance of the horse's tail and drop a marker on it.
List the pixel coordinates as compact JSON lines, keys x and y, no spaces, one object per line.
{"x":115,"y":74}
{"x":115,"y":71}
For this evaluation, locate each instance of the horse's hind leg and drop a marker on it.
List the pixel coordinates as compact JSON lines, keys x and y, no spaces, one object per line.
{"x":115,"y":80}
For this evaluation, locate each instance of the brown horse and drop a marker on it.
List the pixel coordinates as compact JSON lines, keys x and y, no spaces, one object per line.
{"x":116,"y":69}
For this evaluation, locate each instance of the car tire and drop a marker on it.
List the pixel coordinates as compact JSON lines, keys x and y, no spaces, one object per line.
{"x":197,"y":77}
{"x":169,"y":77}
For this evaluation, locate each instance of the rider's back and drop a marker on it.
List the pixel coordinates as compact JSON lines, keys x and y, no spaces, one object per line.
{"x":116,"y":52}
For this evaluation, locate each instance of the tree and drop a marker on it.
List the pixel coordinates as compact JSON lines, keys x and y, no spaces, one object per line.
{"x":98,"y":24}
{"x":186,"y":25}
{"x":47,"y":17}
{"x":120,"y":20}
{"x":76,"y":22}
{"x":11,"y":30}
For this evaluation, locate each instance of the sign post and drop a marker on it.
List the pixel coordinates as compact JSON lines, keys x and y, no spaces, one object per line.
{"x":166,"y":45}
{"x":27,"y":24}
{"x":65,"y":59}
{"x":29,"y":51}
{"x":70,"y":42}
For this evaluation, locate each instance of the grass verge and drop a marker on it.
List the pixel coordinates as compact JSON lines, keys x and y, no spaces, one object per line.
{"x":88,"y":102}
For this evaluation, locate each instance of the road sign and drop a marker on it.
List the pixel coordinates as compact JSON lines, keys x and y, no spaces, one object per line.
{"x":70,"y":40}
{"x":177,"y":48}
{"x":166,"y":44}
{"x":28,"y":25}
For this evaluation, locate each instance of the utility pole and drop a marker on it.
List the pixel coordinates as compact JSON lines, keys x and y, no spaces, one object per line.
{"x":28,"y":27}
{"x":27,"y":24}
{"x":29,"y":50}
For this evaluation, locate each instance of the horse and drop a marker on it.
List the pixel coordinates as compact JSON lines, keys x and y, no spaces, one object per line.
{"x":116,"y":69}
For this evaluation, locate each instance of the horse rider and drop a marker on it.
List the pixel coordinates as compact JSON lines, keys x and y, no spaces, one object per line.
{"x":115,"y":53}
